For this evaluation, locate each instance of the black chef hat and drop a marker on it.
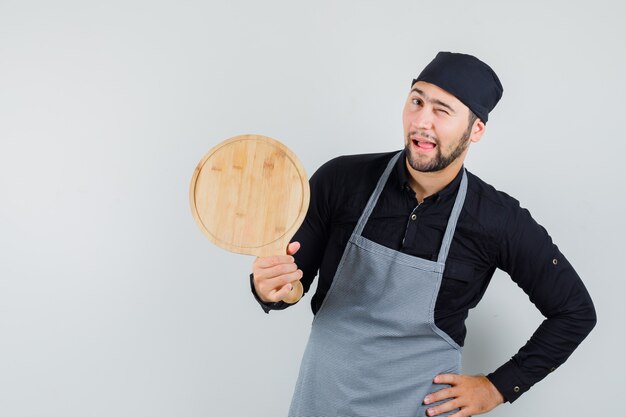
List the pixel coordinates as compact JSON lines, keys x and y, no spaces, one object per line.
{"x":467,"y":78}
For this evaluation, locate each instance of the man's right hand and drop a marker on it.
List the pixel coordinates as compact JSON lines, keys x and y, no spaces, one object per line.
{"x":273,"y":275}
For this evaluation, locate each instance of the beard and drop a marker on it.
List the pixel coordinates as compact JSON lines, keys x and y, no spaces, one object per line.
{"x":439,"y":161}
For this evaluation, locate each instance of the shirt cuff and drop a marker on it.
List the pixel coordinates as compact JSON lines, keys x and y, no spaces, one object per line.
{"x":267,"y":307}
{"x":508,"y":381}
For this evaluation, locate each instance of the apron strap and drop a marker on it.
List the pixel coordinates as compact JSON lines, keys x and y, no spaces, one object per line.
{"x":374,"y":197}
{"x":454,"y":217}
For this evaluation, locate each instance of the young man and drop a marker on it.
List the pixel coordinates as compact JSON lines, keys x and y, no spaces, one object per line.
{"x":405,"y":244}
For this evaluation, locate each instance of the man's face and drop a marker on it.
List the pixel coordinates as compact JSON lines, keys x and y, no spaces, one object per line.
{"x":437,"y":129}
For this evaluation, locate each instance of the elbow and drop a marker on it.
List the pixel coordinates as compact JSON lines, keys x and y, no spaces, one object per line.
{"x":577,"y":322}
{"x":583,"y":311}
{"x":592,"y":318}
{"x":589,"y":313}
{"x":586,"y":319}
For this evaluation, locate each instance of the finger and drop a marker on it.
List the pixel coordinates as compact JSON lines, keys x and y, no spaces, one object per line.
{"x":274,"y":271}
{"x":279,"y":281}
{"x":269,"y":261}
{"x":463,"y":412}
{"x":293,"y":247}
{"x":440,"y":395}
{"x":450,"y":379}
{"x":443,"y":408}
{"x":281,"y":293}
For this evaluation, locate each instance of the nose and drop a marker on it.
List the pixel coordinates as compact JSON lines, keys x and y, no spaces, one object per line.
{"x":421,"y":119}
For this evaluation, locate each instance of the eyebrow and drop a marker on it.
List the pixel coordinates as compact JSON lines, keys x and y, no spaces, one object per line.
{"x":433,"y":100}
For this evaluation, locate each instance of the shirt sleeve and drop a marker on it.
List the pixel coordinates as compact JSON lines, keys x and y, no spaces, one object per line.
{"x":312,"y":234}
{"x":535,"y":263}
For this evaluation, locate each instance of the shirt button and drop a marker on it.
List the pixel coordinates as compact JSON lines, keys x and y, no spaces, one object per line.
{"x":516,"y":389}
{"x":413,"y":216}
{"x":554,"y":261}
{"x":553,"y":369}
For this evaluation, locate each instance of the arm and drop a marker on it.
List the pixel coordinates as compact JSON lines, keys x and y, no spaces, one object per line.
{"x":538,"y":267}
{"x":528,"y":254}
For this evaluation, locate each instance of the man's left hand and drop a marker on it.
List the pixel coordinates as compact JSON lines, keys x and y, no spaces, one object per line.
{"x":471,"y":394}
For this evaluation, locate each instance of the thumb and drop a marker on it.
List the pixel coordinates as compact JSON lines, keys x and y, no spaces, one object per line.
{"x":283,"y":292}
{"x":293,"y":247}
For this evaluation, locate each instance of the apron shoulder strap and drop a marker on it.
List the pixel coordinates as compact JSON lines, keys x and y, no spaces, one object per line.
{"x":374,"y":197}
{"x":454,"y":217}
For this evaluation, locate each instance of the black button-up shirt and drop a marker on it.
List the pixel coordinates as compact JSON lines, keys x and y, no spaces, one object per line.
{"x":493,"y":231}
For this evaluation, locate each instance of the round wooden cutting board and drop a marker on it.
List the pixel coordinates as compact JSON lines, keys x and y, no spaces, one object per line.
{"x":249,"y":195}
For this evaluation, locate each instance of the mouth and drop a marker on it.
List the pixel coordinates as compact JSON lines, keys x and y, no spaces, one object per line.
{"x":422,"y":144}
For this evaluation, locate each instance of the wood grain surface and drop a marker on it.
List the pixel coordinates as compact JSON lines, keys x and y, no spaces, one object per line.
{"x":249,"y":195}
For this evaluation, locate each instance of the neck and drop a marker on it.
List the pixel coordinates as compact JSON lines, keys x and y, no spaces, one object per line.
{"x":425,"y":184}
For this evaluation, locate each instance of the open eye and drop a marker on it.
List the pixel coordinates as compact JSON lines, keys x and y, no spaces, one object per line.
{"x":417,"y":101}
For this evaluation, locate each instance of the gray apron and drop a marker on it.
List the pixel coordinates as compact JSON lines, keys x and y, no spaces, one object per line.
{"x":374,"y":348}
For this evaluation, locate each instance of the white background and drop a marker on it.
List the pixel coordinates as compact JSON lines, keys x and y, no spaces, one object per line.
{"x":112,"y":302}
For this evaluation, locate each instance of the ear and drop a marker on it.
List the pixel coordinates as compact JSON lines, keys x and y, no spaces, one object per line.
{"x":477,"y":130}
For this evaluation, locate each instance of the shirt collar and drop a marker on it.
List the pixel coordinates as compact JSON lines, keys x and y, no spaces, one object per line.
{"x":403,"y":180}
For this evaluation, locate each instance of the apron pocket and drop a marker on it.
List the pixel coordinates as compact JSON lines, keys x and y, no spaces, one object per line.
{"x":458,"y":271}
